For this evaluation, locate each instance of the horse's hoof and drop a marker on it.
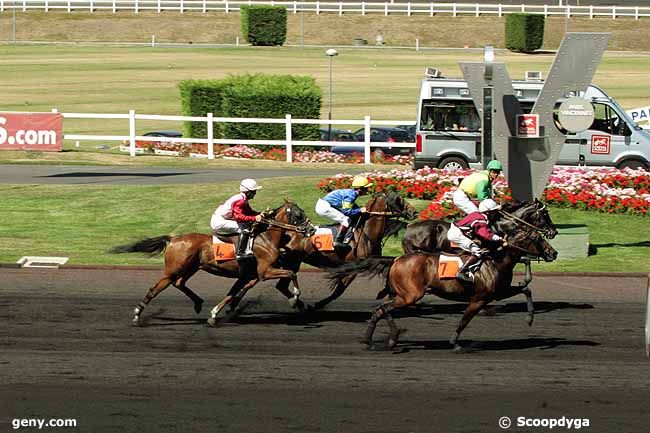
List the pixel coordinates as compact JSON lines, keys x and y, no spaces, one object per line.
{"x":391,"y":343}
{"x":530,"y":321}
{"x":198,"y":306}
{"x":295,"y":302}
{"x":136,"y":321}
{"x":458,"y":349}
{"x":212,"y":321}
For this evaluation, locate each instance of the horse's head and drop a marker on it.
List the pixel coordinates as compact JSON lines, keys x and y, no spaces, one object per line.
{"x":392,"y":202}
{"x":533,"y":243}
{"x":536,"y":214}
{"x":290,"y":213}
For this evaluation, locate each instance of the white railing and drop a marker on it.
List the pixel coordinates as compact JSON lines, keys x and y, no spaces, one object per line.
{"x":288,"y":142}
{"x":318,"y":7}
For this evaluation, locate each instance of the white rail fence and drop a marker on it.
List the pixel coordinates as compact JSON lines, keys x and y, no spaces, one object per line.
{"x":288,"y":141}
{"x":318,"y":7}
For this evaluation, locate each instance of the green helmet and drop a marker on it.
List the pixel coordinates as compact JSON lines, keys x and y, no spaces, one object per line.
{"x":494,"y":165}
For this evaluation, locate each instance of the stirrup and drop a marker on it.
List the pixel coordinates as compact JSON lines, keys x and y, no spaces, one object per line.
{"x":468,"y":277}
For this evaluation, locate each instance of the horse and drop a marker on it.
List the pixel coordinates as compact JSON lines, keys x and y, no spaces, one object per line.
{"x":410,"y":276}
{"x":431,"y":235}
{"x":382,"y":220}
{"x":188,"y":253}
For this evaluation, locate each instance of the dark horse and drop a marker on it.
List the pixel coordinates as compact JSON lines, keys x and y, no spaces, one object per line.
{"x":382,"y":220}
{"x":186,"y":254}
{"x":431,"y":235}
{"x":412,"y":275}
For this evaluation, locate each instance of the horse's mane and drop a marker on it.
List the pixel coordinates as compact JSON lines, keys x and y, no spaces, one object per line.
{"x":514,"y":206}
{"x":393,"y":227}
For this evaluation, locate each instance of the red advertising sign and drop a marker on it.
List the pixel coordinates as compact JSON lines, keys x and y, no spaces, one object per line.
{"x":31,"y":131}
{"x":528,"y":125}
{"x":600,"y":144}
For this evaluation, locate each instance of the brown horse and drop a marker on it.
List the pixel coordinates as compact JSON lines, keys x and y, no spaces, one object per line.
{"x":431,"y":235}
{"x":382,"y":220}
{"x":412,"y":275}
{"x":188,"y":253}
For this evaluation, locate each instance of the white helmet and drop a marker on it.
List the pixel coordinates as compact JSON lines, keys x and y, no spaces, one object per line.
{"x":487,"y":205}
{"x":248,"y":185}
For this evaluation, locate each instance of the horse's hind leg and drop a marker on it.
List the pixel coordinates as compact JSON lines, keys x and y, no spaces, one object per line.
{"x":470,"y":312}
{"x":383,"y":312}
{"x":180,"y":284}
{"x":161,"y":285}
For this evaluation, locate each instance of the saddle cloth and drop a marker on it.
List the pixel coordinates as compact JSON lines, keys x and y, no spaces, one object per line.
{"x":448,"y":266}
{"x":223,"y":251}
{"x":323,"y":239}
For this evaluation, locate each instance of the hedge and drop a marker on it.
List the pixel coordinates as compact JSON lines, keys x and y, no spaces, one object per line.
{"x":271,"y":96}
{"x":256,"y":95}
{"x":199,"y":97}
{"x":524,"y":32}
{"x":264,"y":25}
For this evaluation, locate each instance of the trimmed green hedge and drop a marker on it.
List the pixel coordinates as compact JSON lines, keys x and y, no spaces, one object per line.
{"x":271,"y":96}
{"x":524,"y":32}
{"x":264,"y":25}
{"x":199,"y":97}
{"x":257,"y":95}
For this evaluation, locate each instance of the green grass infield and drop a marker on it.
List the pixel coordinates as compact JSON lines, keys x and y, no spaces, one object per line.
{"x":83,"y":222}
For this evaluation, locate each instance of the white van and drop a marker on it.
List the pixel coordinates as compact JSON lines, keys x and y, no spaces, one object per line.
{"x":448,"y":128}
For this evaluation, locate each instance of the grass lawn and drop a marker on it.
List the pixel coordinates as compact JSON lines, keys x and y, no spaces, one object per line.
{"x":82,"y":222}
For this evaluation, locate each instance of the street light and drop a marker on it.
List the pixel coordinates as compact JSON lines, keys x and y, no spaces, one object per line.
{"x":330,"y":53}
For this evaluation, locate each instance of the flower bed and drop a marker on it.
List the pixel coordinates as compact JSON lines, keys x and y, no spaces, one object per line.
{"x":599,"y":189}
{"x":271,"y":153}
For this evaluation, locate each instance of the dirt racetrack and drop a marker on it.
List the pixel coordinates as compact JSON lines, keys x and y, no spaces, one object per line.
{"x":69,"y":351}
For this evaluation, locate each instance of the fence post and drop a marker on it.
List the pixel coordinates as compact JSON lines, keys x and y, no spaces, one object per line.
{"x":477,"y":10}
{"x":613,"y":12}
{"x":366,"y":140}
{"x":210,"y":137}
{"x":408,"y":9}
{"x":203,"y":7}
{"x":180,"y":5}
{"x":501,"y":10}
{"x":114,"y":7}
{"x":363,"y":8}
{"x":417,"y":44}
{"x":47,"y":8}
{"x":136,"y":8}
{"x":132,"y":132}
{"x":385,"y":9}
{"x":591,"y":12}
{"x":431,"y":9}
{"x":289,"y":146}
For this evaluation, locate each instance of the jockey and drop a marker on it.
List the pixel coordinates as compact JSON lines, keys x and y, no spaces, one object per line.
{"x":476,"y":187}
{"x":339,"y":205}
{"x":235,"y":216}
{"x":474,"y":225}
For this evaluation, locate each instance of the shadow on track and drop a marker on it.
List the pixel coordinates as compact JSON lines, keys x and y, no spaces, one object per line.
{"x":479,"y":346}
{"x":316,"y":318}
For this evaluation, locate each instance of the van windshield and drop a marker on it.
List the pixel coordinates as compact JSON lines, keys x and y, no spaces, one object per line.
{"x":458,"y":116}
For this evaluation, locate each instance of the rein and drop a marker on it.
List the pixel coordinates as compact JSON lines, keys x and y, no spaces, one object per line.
{"x":306,"y":227}
{"x":520,"y":221}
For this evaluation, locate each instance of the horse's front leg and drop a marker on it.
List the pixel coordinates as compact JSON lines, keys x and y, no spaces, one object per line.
{"x":232,"y":298}
{"x":468,"y":314}
{"x":530,"y":305}
{"x":285,"y":276}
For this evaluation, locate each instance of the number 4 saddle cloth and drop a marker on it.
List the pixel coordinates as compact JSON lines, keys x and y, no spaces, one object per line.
{"x":223,"y":251}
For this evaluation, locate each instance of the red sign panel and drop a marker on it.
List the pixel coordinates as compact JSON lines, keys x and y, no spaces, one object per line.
{"x":600,"y":144}
{"x":528,"y":125}
{"x":31,"y":131}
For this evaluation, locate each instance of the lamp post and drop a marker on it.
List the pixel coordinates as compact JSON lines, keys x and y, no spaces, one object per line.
{"x":488,"y":57}
{"x":330,"y":53}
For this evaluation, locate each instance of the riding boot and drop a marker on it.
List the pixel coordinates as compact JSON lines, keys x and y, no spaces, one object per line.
{"x":339,"y":242}
{"x":244,"y":249}
{"x":464,"y":272}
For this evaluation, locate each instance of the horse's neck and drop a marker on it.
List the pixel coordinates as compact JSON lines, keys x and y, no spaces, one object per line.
{"x":505,"y":224}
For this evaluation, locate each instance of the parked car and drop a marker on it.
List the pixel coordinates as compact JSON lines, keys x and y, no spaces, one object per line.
{"x":152,"y":142}
{"x":410,"y":129}
{"x":387,"y":134}
{"x":336,"y":134}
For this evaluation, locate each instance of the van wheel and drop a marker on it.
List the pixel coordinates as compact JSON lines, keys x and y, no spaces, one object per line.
{"x":453,"y":163}
{"x":634,"y":164}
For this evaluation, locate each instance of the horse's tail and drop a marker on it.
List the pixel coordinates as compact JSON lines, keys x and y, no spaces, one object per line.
{"x":371,"y":266}
{"x":151,"y":246}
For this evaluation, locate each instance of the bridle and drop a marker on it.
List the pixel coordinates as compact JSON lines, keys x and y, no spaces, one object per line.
{"x":306,"y":228}
{"x":517,"y":220}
